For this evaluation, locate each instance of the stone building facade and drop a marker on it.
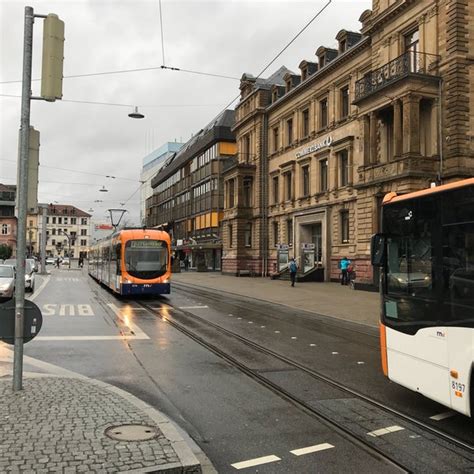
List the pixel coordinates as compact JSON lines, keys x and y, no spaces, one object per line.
{"x":392,"y":109}
{"x":8,"y":221}
{"x":187,"y":198}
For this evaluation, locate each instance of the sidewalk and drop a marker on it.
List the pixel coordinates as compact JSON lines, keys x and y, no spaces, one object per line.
{"x":64,"y":422}
{"x":328,"y":299}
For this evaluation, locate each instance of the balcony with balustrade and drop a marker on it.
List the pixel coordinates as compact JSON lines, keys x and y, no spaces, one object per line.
{"x":407,"y":73}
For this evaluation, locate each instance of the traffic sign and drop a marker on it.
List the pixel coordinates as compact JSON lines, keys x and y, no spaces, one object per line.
{"x":32,"y":322}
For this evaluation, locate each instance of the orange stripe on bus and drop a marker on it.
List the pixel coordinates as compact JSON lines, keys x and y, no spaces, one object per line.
{"x":383,"y":349}
{"x":458,"y":394}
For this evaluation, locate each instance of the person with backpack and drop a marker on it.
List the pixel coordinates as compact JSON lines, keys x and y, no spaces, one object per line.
{"x":293,"y":267}
{"x":344,"y":265}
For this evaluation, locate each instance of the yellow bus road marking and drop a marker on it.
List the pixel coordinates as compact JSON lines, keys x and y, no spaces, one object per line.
{"x":255,"y":462}
{"x":311,"y":449}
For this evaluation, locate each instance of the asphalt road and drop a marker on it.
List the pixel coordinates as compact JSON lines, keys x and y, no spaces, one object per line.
{"x":231,"y":417}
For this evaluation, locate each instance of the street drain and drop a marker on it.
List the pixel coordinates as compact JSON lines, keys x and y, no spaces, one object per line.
{"x":131,"y":432}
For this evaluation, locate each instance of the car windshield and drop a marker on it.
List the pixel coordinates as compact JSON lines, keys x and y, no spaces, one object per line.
{"x":10,"y":261}
{"x":6,"y":271}
{"x":29,"y":266}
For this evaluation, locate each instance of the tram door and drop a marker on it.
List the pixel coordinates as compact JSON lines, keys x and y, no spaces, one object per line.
{"x":317,"y":240}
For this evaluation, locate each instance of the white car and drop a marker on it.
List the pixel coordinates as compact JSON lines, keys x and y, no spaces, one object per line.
{"x":29,"y":272}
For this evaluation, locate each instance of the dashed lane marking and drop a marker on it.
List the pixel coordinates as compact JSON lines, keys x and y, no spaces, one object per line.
{"x":311,"y":449}
{"x":443,"y":416}
{"x":277,"y":332}
{"x":384,"y":431}
{"x":193,"y":307}
{"x":312,"y":345}
{"x":294,"y":337}
{"x":255,"y":462}
{"x":359,"y":362}
{"x":334,"y":353}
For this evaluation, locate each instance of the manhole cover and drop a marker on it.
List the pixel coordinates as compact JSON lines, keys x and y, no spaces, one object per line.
{"x":131,"y":432}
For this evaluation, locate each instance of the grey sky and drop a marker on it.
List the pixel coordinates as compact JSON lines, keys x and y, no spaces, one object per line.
{"x":220,"y":37}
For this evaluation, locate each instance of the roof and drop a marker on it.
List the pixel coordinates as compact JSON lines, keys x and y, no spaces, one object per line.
{"x":391,"y":198}
{"x":219,"y":129}
{"x":66,"y":210}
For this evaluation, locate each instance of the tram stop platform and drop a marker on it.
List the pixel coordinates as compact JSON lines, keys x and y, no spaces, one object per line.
{"x":68,"y":423}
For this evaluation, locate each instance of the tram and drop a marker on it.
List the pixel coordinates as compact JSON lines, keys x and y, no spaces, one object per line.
{"x":426,"y":256}
{"x":133,"y":261}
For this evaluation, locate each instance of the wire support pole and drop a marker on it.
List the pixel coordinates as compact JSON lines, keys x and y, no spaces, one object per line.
{"x":22,"y":188}
{"x":162,"y":37}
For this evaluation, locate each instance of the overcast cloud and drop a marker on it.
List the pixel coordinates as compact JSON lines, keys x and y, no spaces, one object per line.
{"x":219,"y":37}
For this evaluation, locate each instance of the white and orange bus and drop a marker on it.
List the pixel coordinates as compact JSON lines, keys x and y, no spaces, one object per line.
{"x":133,"y":262}
{"x":426,"y":256}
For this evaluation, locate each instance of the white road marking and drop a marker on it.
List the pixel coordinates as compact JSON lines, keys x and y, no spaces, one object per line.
{"x":311,"y":449}
{"x":67,"y":310}
{"x":89,"y":338}
{"x":137,"y":332}
{"x":384,"y":431}
{"x":334,"y":353}
{"x":250,"y":322}
{"x":312,"y":345}
{"x":294,"y":337}
{"x":85,"y":310}
{"x":262,"y":326}
{"x":359,"y":362}
{"x":40,"y":289}
{"x":255,"y":462}
{"x":443,"y":416}
{"x":231,"y":315}
{"x":69,"y":307}
{"x":193,"y":307}
{"x":239,"y":318}
{"x":277,"y":332}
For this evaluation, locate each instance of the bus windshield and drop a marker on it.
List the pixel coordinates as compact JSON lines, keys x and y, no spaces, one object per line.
{"x":146,"y":258}
{"x":429,"y":272}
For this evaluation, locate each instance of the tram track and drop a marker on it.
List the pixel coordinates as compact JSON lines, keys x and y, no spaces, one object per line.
{"x":358,"y":439}
{"x":320,"y":376}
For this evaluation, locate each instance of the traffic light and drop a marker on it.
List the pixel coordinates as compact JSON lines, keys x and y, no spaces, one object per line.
{"x":53,"y":55}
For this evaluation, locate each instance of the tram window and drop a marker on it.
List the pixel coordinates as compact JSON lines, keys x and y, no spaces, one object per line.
{"x":146,"y":258}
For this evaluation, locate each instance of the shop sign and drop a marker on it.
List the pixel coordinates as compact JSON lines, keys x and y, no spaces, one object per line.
{"x":315,"y":147}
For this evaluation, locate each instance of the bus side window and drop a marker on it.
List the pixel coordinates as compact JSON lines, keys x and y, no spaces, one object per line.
{"x":119,"y":260}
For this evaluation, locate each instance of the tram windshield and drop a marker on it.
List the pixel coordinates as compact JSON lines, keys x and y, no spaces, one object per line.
{"x":146,"y":258}
{"x":429,"y":277}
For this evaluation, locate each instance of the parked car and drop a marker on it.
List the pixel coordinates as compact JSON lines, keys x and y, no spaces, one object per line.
{"x":65,"y":261}
{"x":29,"y":272}
{"x":7,"y":282}
{"x":50,"y":261}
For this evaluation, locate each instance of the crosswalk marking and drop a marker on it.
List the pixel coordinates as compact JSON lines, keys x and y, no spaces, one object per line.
{"x":67,"y":279}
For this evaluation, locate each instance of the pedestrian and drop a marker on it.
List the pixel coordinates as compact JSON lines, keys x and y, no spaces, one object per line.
{"x":57,"y":262}
{"x":293,"y":267}
{"x":344,"y":264}
{"x":186,"y":263}
{"x":81,"y":261}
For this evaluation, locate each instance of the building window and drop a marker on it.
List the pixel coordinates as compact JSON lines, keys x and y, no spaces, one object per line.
{"x":344,"y":102}
{"x":60,"y":220}
{"x":289,"y":131}
{"x":83,"y":231}
{"x":343,"y":168}
{"x":47,"y":220}
{"x":288,"y":186}
{"x":412,"y":47}
{"x":275,"y":96}
{"x":248,"y":235}
{"x":323,"y":170}
{"x":231,"y":235}
{"x":83,"y":242}
{"x":246,"y":148}
{"x":289,"y":231}
{"x":54,"y":220}
{"x":53,"y":242}
{"x":53,"y":231}
{"x":276,"y":138}
{"x":323,"y":113}
{"x":73,"y":220}
{"x":275,"y":233}
{"x":345,"y":227}
{"x":305,"y":179}
{"x":5,"y":229}
{"x":247,"y":192}
{"x":65,"y":220}
{"x":305,"y":122}
{"x":231,"y":193}
{"x":84,"y":221}
{"x":276,"y":194}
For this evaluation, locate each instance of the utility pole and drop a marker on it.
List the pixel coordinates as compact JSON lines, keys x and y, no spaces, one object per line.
{"x":51,"y":85}
{"x":44,"y":238}
{"x":22,"y":187}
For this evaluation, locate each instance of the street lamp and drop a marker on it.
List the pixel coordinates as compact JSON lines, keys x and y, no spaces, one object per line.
{"x":136,"y":114}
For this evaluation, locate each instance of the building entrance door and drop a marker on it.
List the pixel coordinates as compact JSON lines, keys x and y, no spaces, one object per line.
{"x":317,"y":240}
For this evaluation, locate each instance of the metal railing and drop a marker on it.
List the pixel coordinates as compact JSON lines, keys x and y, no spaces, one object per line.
{"x":411,"y":62}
